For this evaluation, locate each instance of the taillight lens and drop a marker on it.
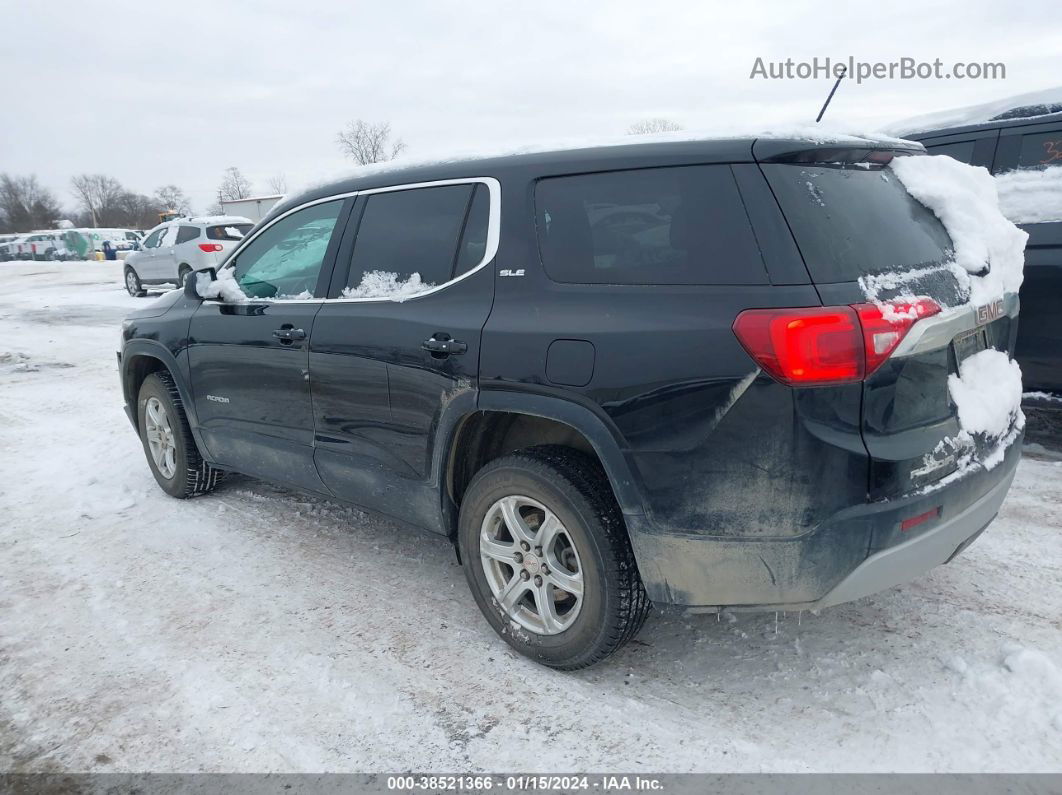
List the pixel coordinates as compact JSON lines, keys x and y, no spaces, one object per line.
{"x":886,"y":325}
{"x":830,"y":344}
{"x":211,"y":247}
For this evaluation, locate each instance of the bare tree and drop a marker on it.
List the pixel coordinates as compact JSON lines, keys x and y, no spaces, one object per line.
{"x":278,"y":184}
{"x":99,"y":195}
{"x":234,"y":185}
{"x":368,"y":142}
{"x":25,"y":205}
{"x":170,"y":197}
{"x":646,"y":126}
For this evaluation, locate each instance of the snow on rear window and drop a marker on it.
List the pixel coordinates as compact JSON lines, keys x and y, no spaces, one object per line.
{"x":228,"y":231}
{"x":988,"y":249}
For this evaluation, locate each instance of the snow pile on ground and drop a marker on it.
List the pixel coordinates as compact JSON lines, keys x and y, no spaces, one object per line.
{"x":257,"y":629}
{"x":977,"y":114}
{"x":224,"y":287}
{"x":384,"y":284}
{"x":1031,"y":196}
{"x":964,"y":198}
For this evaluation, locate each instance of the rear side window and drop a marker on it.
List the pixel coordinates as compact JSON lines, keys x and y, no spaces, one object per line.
{"x":963,"y":151}
{"x":1041,"y":149}
{"x":851,"y":221}
{"x":409,"y":240}
{"x":187,"y":233}
{"x":680,"y":225}
{"x":228,"y":231}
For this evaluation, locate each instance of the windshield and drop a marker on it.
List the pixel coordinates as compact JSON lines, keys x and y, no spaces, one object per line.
{"x":853,"y":220}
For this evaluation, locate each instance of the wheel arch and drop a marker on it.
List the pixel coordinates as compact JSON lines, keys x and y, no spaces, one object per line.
{"x":504,"y":422}
{"x":141,"y":358}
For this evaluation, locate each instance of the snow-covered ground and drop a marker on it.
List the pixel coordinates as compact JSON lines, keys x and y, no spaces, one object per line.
{"x":258,"y":629}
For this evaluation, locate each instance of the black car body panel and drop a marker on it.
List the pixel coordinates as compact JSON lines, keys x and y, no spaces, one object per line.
{"x":737,"y":489}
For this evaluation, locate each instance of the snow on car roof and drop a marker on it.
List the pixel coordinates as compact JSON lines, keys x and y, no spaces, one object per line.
{"x":1032,"y":104}
{"x":812,"y":133}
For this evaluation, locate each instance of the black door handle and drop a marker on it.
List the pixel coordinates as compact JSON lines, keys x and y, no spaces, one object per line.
{"x":289,"y":334}
{"x":441,"y":345}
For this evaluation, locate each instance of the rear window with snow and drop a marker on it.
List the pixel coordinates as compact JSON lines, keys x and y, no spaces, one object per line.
{"x":228,"y":231}
{"x":852,"y":220}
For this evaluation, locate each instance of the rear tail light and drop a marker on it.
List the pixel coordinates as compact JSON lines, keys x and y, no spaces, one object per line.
{"x":830,"y":344}
{"x":211,"y":247}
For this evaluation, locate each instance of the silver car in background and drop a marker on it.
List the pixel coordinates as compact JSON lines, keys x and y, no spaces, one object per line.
{"x":174,"y":249}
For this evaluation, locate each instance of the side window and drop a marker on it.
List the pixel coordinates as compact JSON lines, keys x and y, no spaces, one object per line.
{"x":473,"y":246}
{"x":285,"y":260}
{"x":187,"y":233}
{"x":408,"y":241}
{"x":1039,"y":150}
{"x":680,"y":225}
{"x":963,"y":151}
{"x":169,"y":234}
{"x":153,"y":239}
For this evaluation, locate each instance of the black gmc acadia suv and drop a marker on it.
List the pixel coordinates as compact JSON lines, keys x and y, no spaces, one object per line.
{"x":613,"y":376}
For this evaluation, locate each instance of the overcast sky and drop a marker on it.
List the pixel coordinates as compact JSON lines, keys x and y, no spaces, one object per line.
{"x":175,"y":92}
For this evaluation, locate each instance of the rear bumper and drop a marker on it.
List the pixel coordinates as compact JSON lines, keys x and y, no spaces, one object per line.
{"x":860,"y":551}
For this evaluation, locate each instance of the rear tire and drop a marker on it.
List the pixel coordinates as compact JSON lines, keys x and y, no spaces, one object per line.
{"x":560,"y":501}
{"x":132,"y":283}
{"x":182,"y":274}
{"x":168,"y":443}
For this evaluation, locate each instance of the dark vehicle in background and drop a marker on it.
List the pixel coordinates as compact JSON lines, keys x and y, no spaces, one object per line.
{"x":1024,"y":138}
{"x":612,"y":376}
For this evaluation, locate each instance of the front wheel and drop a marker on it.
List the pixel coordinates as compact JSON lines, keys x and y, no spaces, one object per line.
{"x":547,"y":556}
{"x":132,"y":283}
{"x":168,"y":443}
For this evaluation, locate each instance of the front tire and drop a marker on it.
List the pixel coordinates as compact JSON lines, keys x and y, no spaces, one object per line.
{"x":132,"y":283}
{"x":547,"y":557}
{"x":168,"y":443}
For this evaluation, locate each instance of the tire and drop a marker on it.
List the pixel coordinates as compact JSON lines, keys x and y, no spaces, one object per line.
{"x":592,"y":540}
{"x":182,"y":274}
{"x":132,"y":283}
{"x":184,"y":473}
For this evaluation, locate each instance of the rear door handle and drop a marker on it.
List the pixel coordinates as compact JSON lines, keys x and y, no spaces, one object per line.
{"x":441,"y":344}
{"x":289,"y":334}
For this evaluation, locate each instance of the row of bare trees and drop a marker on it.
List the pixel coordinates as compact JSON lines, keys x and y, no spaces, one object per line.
{"x":103,"y":201}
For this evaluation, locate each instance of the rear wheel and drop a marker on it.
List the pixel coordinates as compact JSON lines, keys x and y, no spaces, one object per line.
{"x":548,"y":559}
{"x":132,"y":283}
{"x":182,"y":274}
{"x":168,"y":443}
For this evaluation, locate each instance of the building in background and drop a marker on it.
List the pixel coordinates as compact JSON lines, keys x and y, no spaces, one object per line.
{"x":253,"y":207}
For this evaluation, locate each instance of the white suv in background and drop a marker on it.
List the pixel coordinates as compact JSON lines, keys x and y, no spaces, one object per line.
{"x":176,"y":248}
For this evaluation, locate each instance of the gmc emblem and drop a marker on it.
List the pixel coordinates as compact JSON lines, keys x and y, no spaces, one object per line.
{"x":986,"y":313}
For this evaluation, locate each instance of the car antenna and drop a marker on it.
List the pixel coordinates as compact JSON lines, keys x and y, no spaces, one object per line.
{"x":826,"y":104}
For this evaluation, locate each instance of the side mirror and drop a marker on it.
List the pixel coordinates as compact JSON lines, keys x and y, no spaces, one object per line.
{"x":191,"y":282}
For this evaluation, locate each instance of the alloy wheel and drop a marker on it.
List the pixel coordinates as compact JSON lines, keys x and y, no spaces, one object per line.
{"x":531,"y":565}
{"x":160,"y":437}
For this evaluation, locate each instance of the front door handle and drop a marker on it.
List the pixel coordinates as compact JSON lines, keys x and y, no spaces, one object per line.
{"x":289,"y":334}
{"x":441,"y":345}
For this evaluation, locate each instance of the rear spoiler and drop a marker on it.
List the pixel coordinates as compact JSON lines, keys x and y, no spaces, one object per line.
{"x":768,"y":150}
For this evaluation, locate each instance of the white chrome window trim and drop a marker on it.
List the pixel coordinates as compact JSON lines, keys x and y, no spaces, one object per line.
{"x":493,"y":238}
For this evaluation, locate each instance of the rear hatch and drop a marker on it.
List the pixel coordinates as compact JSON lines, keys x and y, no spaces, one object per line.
{"x":866,"y":242}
